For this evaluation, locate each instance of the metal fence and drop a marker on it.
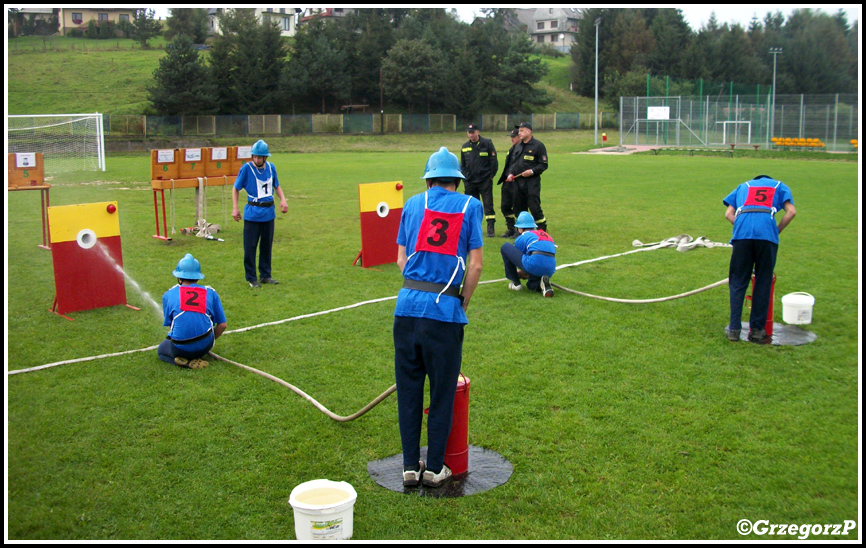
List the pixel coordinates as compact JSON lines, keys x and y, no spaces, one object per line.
{"x":284,"y":124}
{"x":739,"y":119}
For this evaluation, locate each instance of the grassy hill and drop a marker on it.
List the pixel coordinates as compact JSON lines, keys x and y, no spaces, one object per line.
{"x":70,"y":75}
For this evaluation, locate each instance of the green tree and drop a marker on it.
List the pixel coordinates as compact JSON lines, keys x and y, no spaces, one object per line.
{"x":180,"y":83}
{"x":583,"y":53}
{"x":247,"y":61}
{"x":633,"y":46}
{"x":190,"y":21}
{"x":371,"y":33}
{"x":321,"y":65}
{"x":145,"y":26}
{"x":817,"y":55}
{"x":513,"y":88}
{"x":672,"y":40}
{"x":413,"y":72}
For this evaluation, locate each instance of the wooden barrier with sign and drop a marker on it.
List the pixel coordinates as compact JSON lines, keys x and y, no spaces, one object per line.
{"x":191,"y":168}
{"x":26,"y":171}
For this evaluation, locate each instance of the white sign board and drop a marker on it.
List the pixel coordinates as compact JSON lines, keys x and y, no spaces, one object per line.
{"x":25,"y":159}
{"x":658,"y":113}
{"x":164,"y":156}
{"x":219,"y":153}
{"x":245,"y":152}
{"x":192,"y":155}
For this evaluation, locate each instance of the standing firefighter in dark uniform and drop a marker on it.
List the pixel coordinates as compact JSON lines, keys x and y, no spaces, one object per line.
{"x":506,"y":202}
{"x":479,"y":164}
{"x":529,"y":161}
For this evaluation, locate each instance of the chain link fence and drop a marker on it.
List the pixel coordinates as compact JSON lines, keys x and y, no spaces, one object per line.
{"x":707,"y":121}
{"x":276,"y":124}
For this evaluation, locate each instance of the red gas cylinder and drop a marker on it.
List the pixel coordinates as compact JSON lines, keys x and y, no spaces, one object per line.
{"x":769,"y":327}
{"x":457,"y":448}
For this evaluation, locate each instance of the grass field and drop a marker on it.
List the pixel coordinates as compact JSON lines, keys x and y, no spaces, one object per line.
{"x":621,"y":421}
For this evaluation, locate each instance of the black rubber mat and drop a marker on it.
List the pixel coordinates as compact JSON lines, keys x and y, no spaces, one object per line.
{"x":487,"y":469}
{"x":783,"y":335}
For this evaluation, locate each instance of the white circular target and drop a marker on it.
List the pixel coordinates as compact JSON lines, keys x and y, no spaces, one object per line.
{"x":382,"y":209}
{"x":86,"y":238}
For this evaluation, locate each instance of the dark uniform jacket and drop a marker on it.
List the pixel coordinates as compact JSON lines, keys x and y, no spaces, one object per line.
{"x":478,"y":161}
{"x":508,"y":160}
{"x":531,"y":155}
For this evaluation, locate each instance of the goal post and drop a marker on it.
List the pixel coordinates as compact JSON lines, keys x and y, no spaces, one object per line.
{"x":68,"y":142}
{"x":732,"y":132}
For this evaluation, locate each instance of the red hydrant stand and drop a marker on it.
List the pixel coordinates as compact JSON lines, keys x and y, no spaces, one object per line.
{"x":457,"y":448}
{"x":769,"y":327}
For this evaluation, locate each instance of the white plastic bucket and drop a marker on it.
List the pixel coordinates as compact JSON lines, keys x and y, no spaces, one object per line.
{"x":797,"y":308}
{"x":323,"y":509}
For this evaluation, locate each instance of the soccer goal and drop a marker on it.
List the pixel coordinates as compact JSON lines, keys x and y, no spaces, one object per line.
{"x":68,"y":142}
{"x":733,"y":132}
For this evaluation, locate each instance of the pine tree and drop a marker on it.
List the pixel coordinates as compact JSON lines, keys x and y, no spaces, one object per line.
{"x":181,"y":85}
{"x":190,"y":21}
{"x":145,"y":27}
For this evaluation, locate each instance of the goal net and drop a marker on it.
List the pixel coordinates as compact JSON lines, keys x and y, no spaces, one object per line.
{"x":68,"y":142}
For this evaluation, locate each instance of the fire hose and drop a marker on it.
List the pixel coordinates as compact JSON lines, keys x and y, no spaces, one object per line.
{"x":307,"y":397}
{"x":682,"y":242}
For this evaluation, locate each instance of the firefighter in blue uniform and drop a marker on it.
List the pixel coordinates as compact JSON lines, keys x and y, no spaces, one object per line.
{"x":752,"y":208}
{"x":195,"y":314}
{"x":258,"y":178}
{"x":479,"y":164}
{"x":532,"y":252}
{"x":438,"y":247}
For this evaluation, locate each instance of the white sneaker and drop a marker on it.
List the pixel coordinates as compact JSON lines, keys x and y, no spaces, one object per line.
{"x":411,"y":478}
{"x":429,"y":479}
{"x":514,"y":287}
{"x":545,"y":287}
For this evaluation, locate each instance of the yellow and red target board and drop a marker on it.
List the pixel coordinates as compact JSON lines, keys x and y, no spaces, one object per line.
{"x":381,"y":206}
{"x":88,"y":262}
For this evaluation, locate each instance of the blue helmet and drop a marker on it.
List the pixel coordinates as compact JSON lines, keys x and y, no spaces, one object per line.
{"x":188,"y":268}
{"x":443,"y":164}
{"x":525,"y":220}
{"x":260,"y":149}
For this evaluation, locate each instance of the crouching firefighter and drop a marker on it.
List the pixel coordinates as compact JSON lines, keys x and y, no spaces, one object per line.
{"x":195,"y":314}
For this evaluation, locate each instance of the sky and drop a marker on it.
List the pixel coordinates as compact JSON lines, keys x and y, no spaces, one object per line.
{"x":696,"y":15}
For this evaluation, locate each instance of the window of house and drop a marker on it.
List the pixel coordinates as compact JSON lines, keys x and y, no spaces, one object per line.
{"x":540,"y":25}
{"x":554,"y":24}
{"x":76,"y":18}
{"x":553,"y":38}
{"x":124,"y":17}
{"x":287,"y":23}
{"x":269,"y":10}
{"x":103,"y":17}
{"x":540,"y":39}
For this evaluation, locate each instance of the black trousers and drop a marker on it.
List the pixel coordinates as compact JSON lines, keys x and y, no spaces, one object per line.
{"x":527,"y":197}
{"x":507,"y":201}
{"x":482,"y":191}
{"x":254,"y":233}
{"x":749,"y":255}
{"x":425,"y":348}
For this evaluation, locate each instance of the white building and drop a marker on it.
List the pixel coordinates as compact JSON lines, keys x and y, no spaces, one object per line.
{"x":286,"y":18}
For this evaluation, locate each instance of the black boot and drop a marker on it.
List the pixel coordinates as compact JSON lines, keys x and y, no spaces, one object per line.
{"x":542,"y":226}
{"x":490,"y":231}
{"x":510,"y":232}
